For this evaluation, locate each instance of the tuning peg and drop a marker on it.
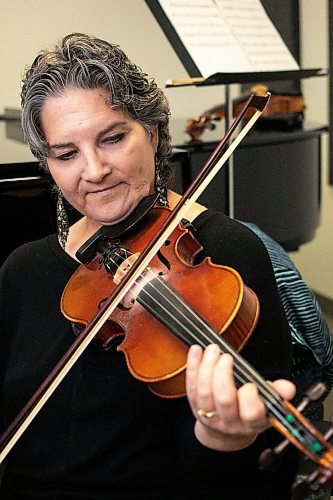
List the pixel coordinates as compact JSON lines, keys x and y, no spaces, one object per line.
{"x":314,"y":393}
{"x":301,"y":489}
{"x":329,"y":433}
{"x":270,"y":457}
{"x":303,"y":486}
{"x":318,"y":479}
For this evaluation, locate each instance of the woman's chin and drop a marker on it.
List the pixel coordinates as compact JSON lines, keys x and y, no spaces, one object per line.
{"x":98,"y":220}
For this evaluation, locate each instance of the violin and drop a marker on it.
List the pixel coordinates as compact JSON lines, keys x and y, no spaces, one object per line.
{"x":127,"y":285}
{"x":163,"y":300}
{"x":278,"y":105}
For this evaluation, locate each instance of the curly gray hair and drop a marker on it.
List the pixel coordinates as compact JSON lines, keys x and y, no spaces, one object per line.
{"x":87,"y":62}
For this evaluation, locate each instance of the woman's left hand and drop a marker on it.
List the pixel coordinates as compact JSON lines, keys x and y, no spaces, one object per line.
{"x":227,"y":418}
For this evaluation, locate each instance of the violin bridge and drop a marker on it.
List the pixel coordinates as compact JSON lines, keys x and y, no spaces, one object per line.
{"x":124,"y":267}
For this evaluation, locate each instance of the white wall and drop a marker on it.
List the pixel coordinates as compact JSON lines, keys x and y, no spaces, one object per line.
{"x":26,"y":26}
{"x":315,"y":259}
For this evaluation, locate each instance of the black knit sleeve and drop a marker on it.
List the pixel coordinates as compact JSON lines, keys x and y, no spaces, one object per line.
{"x":7,"y":313}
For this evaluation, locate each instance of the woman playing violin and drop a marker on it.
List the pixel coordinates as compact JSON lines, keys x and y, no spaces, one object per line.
{"x":100,"y":127}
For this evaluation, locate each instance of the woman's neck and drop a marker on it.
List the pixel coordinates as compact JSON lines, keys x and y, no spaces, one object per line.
{"x":78,"y":234}
{"x":193,"y":211}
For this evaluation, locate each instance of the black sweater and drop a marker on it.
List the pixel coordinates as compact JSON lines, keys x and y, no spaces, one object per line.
{"x":103,"y":434}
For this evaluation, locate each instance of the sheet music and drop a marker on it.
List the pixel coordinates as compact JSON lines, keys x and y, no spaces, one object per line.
{"x":228,"y":36}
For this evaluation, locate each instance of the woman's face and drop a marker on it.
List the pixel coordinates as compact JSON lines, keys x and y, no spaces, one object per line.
{"x":102,"y":161}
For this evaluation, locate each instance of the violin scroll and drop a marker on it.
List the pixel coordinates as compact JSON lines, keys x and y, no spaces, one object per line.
{"x":319,"y":451}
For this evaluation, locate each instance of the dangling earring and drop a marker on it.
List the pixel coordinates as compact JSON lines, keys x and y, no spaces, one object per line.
{"x":161,"y":186}
{"x":62,"y":221}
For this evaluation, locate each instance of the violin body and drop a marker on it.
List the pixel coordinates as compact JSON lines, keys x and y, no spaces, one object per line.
{"x":283,"y":105}
{"x":154,"y":354}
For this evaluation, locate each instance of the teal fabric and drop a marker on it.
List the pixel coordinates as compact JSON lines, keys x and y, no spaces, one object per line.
{"x":312,"y":340}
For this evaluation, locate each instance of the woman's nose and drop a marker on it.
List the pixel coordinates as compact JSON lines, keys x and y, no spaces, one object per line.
{"x":95,"y":167}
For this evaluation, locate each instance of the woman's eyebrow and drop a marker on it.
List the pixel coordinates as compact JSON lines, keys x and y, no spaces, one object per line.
{"x":110,"y":128}
{"x":60,"y":145}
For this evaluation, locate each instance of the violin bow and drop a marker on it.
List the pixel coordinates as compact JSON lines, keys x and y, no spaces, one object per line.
{"x":212,"y":166}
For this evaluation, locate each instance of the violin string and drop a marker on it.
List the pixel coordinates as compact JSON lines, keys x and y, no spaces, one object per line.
{"x":275,"y":408}
{"x":303,"y":435}
{"x":240,"y":364}
{"x":239,"y":368}
{"x":215,"y":336}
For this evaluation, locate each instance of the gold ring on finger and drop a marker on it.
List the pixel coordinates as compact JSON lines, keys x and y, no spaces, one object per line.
{"x":207,"y":414}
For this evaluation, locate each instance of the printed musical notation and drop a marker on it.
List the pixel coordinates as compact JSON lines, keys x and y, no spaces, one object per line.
{"x":228,"y":36}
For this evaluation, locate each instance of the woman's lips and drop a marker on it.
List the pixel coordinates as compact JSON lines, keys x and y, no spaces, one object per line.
{"x":104,"y":190}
